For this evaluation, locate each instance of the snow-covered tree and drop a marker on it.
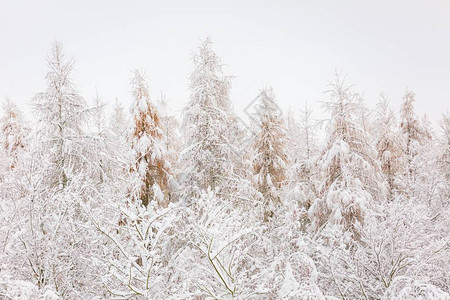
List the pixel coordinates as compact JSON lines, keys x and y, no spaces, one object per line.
{"x":57,"y":180}
{"x":270,"y":161}
{"x":104,"y":151}
{"x":409,"y":288}
{"x":151,"y":165}
{"x":444,"y":155}
{"x":136,"y":252}
{"x":414,"y":136}
{"x":293,"y":131}
{"x":216,"y":261}
{"x":170,"y":131}
{"x":14,"y":131}
{"x":394,"y":245}
{"x":207,"y":158}
{"x":388,"y":143}
{"x":308,"y":135}
{"x":302,"y":174}
{"x":118,"y":120}
{"x":414,"y":133}
{"x":352,"y":184}
{"x":61,"y":115}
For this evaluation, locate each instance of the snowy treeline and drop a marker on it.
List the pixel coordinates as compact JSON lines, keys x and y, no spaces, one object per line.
{"x":140,"y":205}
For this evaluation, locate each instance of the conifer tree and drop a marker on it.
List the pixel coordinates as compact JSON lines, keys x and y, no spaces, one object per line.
{"x":388,"y":143}
{"x":293,"y":130}
{"x":60,"y":183}
{"x":352,"y":183}
{"x":308,"y":134}
{"x":101,"y":142}
{"x":270,"y":160}
{"x":412,"y":130}
{"x":118,"y":120}
{"x":151,"y":166}
{"x":14,"y":132}
{"x":414,"y":137}
{"x":207,"y":158}
{"x":61,"y":115}
{"x":303,"y":173}
{"x":170,"y":132}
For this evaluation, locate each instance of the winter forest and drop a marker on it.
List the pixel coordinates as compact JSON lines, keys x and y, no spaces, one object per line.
{"x":101,"y":201}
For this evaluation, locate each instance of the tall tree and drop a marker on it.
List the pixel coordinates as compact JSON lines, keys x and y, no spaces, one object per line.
{"x":388,"y":143}
{"x":414,"y":137}
{"x":207,"y":157}
{"x":151,"y":165}
{"x":60,"y":181}
{"x":170,"y":131}
{"x":303,"y":173}
{"x":61,"y":114}
{"x":270,"y":162}
{"x":352,"y":183}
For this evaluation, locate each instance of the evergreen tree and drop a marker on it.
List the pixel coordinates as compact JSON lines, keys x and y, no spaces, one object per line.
{"x":207,"y":158}
{"x":60,"y":182}
{"x":61,"y":115}
{"x":352,"y":184}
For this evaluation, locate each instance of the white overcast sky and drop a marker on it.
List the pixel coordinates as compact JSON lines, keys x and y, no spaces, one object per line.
{"x":294,"y":46}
